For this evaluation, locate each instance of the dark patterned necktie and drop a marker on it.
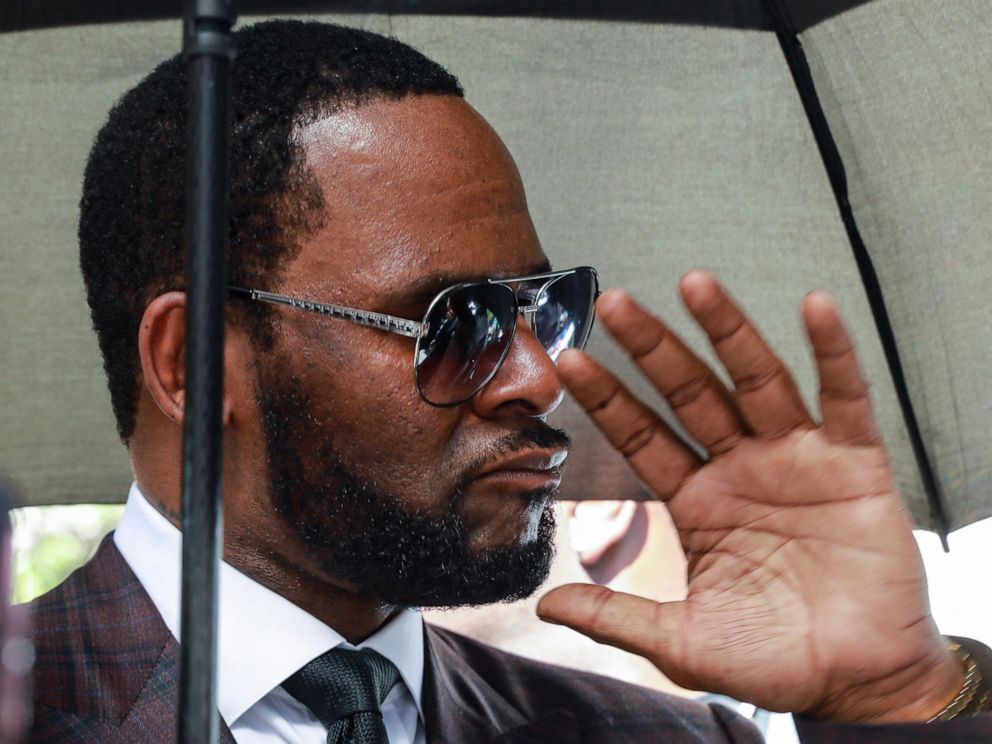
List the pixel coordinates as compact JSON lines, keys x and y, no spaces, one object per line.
{"x":344,"y":689}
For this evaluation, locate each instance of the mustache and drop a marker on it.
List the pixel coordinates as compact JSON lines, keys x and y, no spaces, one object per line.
{"x":536,"y":436}
{"x":539,"y":435}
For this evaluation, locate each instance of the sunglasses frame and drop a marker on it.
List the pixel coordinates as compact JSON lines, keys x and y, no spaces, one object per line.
{"x":418,"y":329}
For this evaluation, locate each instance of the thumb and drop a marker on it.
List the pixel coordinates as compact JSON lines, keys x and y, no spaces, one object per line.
{"x":635,"y":624}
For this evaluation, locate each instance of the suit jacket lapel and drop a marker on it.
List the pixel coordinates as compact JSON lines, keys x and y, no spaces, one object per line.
{"x":157,"y":706}
{"x":460,"y":706}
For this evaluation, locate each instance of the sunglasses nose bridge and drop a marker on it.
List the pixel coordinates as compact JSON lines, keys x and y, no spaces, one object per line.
{"x":529,"y":313}
{"x":527,"y":296}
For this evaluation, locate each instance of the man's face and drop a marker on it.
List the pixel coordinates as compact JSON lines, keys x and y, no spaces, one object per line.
{"x":387,"y":495}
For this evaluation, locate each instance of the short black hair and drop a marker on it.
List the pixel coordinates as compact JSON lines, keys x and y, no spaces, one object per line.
{"x":132,"y":211}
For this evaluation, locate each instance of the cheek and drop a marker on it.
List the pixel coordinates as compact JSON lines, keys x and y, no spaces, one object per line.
{"x":368,"y":403}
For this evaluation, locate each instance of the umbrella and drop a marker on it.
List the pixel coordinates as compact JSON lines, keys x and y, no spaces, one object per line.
{"x":785,"y":144}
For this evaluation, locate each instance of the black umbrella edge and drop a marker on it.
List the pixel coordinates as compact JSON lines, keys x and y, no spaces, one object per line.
{"x":24,"y":15}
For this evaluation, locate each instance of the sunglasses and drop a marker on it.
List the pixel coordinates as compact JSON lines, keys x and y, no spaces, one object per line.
{"x":468,"y":328}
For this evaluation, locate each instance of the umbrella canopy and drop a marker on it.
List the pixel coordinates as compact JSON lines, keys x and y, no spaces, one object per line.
{"x":671,"y":135}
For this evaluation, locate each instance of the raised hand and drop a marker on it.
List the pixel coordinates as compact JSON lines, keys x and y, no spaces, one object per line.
{"x":806,"y":591}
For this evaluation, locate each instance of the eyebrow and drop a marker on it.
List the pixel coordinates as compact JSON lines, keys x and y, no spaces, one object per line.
{"x":425,"y":288}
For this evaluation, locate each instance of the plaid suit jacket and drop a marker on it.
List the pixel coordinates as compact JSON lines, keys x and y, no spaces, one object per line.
{"x":107,"y":671}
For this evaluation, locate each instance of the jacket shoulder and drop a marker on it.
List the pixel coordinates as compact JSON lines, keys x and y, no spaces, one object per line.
{"x":602,"y":706}
{"x":97,"y":638}
{"x":53,"y":726}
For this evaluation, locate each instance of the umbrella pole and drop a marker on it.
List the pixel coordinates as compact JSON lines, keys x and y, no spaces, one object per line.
{"x":208,"y":51}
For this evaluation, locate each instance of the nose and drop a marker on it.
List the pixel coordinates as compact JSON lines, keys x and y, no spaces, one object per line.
{"x":526,"y":383}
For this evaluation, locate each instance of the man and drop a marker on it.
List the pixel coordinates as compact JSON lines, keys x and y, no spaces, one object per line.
{"x":377,"y":218}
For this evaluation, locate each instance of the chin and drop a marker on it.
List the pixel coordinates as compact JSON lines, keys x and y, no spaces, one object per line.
{"x":420,"y":562}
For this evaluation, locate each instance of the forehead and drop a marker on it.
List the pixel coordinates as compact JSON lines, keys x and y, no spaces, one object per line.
{"x":415,"y":187}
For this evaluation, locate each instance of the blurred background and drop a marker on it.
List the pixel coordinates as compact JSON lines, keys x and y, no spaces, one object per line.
{"x":50,"y":542}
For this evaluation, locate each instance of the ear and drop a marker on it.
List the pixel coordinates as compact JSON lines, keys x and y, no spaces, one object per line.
{"x":596,"y":526}
{"x":162,"y":351}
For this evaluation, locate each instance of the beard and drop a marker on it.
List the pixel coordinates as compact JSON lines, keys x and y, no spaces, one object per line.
{"x":366,"y":536}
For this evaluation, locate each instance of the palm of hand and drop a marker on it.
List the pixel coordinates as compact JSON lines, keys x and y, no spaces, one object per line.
{"x":806,"y":591}
{"x":774,"y":531}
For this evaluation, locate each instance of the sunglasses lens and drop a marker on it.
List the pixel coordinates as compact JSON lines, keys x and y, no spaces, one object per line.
{"x":468,"y":332}
{"x":565,"y":312}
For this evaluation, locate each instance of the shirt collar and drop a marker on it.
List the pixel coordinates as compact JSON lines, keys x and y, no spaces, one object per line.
{"x":263,"y":638}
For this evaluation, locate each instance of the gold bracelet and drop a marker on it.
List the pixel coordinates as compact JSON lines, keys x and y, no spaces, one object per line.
{"x":973,"y":697}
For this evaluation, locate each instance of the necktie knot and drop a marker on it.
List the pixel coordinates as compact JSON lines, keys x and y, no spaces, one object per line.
{"x":344,"y":689}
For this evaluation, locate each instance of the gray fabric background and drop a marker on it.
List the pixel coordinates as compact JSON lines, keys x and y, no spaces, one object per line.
{"x":646,"y":150}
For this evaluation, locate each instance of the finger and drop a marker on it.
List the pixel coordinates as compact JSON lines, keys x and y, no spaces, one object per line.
{"x":635,"y":624}
{"x":845,"y":403}
{"x":654,"y":451}
{"x":697,"y":396}
{"x":765,"y":391}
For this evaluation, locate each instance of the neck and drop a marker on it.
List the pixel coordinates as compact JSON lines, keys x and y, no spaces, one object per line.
{"x":271,"y":554}
{"x":332,"y":602}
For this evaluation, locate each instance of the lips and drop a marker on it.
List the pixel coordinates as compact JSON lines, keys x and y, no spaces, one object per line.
{"x":532,"y":468}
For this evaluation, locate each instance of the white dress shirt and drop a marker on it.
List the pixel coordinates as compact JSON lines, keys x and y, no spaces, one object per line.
{"x":264,"y":638}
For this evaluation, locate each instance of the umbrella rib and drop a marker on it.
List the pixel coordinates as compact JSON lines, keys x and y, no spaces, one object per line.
{"x":799,"y":66}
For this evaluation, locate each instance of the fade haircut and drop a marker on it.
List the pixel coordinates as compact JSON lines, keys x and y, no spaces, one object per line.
{"x":132,"y":212}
